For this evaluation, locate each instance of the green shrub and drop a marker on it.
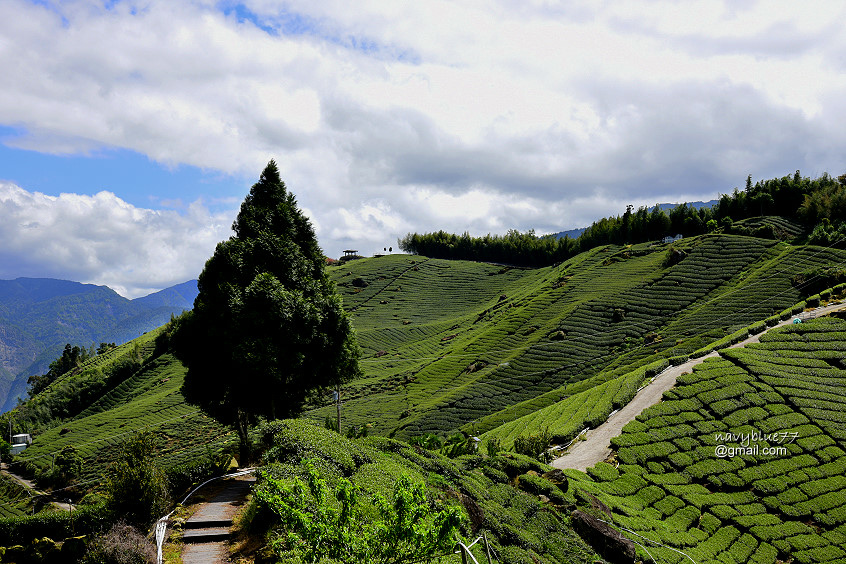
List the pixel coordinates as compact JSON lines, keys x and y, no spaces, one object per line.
{"x":539,"y":485}
{"x":677,"y":360}
{"x":685,"y":517}
{"x":709,"y":523}
{"x":669,"y":505}
{"x":495,"y":474}
{"x":493,"y":446}
{"x":603,"y":472}
{"x":86,"y":520}
{"x":515,"y":464}
{"x":182,"y":477}
{"x":756,"y":328}
{"x":136,"y":487}
{"x":407,"y":529}
{"x":741,"y":550}
{"x":534,"y":446}
{"x":296,"y":439}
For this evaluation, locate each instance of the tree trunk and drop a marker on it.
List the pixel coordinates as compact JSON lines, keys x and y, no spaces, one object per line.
{"x":245,"y":448}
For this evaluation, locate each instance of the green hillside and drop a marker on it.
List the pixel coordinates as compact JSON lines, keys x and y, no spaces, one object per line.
{"x":485,"y":348}
{"x":777,"y":498}
{"x":149,"y":398}
{"x":38,"y":316}
{"x":453,"y":344}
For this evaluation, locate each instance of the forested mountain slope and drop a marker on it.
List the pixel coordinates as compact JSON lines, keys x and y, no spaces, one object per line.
{"x":38,"y":316}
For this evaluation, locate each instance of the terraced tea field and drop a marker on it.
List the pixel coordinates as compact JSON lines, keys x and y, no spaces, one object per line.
{"x":149,"y":399}
{"x":743,"y":461}
{"x":14,"y":498}
{"x":452,"y":344}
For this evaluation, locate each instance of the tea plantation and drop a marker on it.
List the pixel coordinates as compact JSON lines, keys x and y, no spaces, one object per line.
{"x":743,"y":461}
{"x":148,"y":399}
{"x":452,"y":344}
{"x":519,"y":526}
{"x":484,"y":348}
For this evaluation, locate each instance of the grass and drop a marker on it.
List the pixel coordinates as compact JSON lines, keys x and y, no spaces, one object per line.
{"x":520,"y":527}
{"x":149,"y":399}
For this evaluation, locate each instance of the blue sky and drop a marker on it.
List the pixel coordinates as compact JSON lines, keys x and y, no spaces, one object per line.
{"x":130,"y":131}
{"x":139,"y":181}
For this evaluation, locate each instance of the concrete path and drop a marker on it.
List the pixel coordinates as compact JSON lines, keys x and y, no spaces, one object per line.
{"x":597,"y":446}
{"x":207,"y":530}
{"x":30,"y":485}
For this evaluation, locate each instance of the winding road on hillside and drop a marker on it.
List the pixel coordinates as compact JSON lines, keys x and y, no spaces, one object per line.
{"x":597,"y":445}
{"x":31,"y":487}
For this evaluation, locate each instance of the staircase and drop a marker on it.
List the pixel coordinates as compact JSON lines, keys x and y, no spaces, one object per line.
{"x":206,"y":531}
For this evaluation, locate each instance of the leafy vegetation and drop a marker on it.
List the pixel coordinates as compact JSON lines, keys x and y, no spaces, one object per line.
{"x":136,"y":487}
{"x":781,"y":208}
{"x":355,"y":492}
{"x":779,"y":493}
{"x":406,"y":529}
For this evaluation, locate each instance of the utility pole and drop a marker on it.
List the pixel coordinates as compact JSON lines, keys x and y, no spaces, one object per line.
{"x":487,"y":547}
{"x":70,"y":506}
{"x":338,"y":405}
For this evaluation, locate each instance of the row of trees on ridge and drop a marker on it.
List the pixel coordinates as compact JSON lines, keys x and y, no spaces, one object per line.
{"x":819,"y":204}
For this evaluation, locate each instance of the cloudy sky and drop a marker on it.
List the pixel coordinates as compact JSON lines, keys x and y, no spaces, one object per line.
{"x":130,"y":131}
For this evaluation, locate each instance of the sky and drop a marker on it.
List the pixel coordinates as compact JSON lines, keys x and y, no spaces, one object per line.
{"x":130,"y":131}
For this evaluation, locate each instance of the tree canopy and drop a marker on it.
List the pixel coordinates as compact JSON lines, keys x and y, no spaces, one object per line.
{"x":267,"y":328}
{"x":819,"y":204}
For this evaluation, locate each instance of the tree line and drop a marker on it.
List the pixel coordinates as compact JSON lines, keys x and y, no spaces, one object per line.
{"x":818,"y":204}
{"x":71,"y":358}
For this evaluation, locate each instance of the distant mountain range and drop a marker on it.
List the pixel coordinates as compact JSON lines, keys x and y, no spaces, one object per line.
{"x":38,"y":316}
{"x":574,"y":233}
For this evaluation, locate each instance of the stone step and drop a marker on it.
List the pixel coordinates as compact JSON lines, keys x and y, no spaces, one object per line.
{"x":208,"y":534}
{"x":205,"y":523}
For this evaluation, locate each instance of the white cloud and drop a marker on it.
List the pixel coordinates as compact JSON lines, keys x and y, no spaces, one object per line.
{"x":502,"y":114}
{"x":101,"y":239}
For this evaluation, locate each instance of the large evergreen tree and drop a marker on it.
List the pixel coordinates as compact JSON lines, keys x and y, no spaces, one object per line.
{"x":267,"y":327}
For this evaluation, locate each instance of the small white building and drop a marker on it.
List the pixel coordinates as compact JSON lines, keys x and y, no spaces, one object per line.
{"x":20,"y":442}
